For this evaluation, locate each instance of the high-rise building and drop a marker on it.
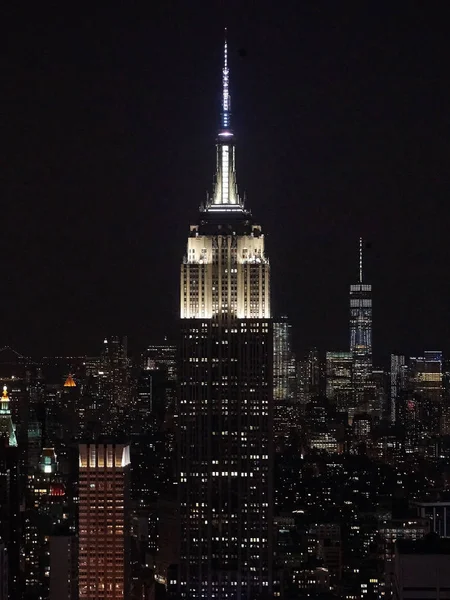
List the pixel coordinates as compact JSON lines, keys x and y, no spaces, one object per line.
{"x":3,"y":571}
{"x":226,"y":389}
{"x":339,"y":388}
{"x":161,"y":357}
{"x":115,"y":372}
{"x":361,"y":337}
{"x":398,"y":383}
{"x":283,"y":361}
{"x":104,"y":555}
{"x":10,"y":517}
{"x":63,"y":567}
{"x":426,"y":380}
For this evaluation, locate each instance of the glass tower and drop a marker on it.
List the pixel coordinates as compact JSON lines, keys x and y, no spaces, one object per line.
{"x":226,"y":389}
{"x":361,"y":336}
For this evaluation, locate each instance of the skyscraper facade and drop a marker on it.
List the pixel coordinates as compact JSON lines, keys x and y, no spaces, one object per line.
{"x":283,"y":361}
{"x":226,"y":389}
{"x":361,"y":337}
{"x":104,"y":559}
{"x":398,"y":384}
{"x":339,"y":388}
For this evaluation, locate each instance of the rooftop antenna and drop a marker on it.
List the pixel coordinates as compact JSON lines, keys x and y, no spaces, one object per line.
{"x":360,"y":260}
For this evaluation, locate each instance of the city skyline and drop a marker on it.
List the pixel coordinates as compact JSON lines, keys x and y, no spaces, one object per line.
{"x":353,"y":146}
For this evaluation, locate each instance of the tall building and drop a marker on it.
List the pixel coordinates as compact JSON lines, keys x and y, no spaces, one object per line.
{"x":283,"y":361}
{"x":104,"y":555}
{"x":339,"y":388}
{"x":115,"y":372}
{"x":3,"y":571}
{"x":398,"y":384}
{"x":161,"y":357}
{"x":63,"y":583}
{"x":226,"y":389}
{"x":427,"y":383}
{"x":361,"y":336}
{"x":10,"y":516}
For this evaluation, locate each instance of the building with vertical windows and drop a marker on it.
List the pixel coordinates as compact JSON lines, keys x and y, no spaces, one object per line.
{"x":104,"y":556}
{"x":426,"y":380}
{"x":398,"y":384}
{"x":361,"y":339}
{"x":10,"y":517}
{"x":339,"y":390}
{"x":226,"y":390}
{"x":283,"y":361}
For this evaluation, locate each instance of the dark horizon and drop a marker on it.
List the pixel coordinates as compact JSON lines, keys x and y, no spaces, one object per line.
{"x":109,"y":122}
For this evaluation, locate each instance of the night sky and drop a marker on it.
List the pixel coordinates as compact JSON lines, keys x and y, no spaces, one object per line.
{"x":108,"y":123}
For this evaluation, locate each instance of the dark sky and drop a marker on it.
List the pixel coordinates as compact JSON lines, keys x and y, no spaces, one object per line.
{"x":108,"y":121}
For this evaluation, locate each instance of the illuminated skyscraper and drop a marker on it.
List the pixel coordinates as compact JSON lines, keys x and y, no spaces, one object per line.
{"x":339,"y":388}
{"x":398,"y":384}
{"x":283,"y":361}
{"x":226,"y":389}
{"x":104,"y":558}
{"x":427,"y":384}
{"x":361,"y":337}
{"x":10,"y":518}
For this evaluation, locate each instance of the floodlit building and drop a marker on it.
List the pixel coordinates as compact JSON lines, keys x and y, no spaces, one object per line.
{"x":104,"y":559}
{"x":226,"y":390}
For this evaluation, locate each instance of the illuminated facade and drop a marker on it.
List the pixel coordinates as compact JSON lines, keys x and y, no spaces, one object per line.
{"x":283,"y":361}
{"x":361,"y":337}
{"x":398,"y":383}
{"x":339,"y":390}
{"x":104,"y":558}
{"x":426,"y":379}
{"x":225,"y":409}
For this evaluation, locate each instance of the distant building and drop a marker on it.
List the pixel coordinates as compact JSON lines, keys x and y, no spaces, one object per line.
{"x":161,"y":357}
{"x":10,"y":495}
{"x":104,"y":534}
{"x":426,"y":379}
{"x":339,"y":383}
{"x":283,"y":361}
{"x":361,"y":337}
{"x":398,"y":384}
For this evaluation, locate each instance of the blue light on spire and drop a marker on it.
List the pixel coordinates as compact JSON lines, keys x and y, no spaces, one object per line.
{"x":225,"y":88}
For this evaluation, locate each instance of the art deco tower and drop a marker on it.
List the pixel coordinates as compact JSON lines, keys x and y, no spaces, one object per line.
{"x":225,"y":433}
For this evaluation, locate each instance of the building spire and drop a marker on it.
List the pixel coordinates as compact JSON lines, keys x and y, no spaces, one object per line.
{"x":225,"y":88}
{"x":360,"y":260}
{"x":5,"y":399}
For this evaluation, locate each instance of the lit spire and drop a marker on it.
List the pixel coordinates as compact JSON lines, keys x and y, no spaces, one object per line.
{"x":225,"y":88}
{"x":5,"y":400}
{"x":360,"y":260}
{"x":70,"y":381}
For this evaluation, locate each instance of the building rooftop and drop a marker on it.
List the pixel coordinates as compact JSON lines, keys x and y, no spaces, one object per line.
{"x":430,"y":544}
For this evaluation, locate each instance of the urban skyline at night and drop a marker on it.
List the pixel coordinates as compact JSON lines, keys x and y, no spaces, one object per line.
{"x":243,"y":393}
{"x":349,"y":152}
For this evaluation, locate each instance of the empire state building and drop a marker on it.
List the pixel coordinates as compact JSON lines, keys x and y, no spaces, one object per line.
{"x":225,"y":411}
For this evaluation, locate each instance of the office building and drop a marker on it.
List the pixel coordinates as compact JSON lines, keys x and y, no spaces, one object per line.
{"x":104,"y":557}
{"x":398,"y":384}
{"x":426,"y":380}
{"x":10,"y":517}
{"x":361,"y":338}
{"x":339,"y":388}
{"x":283,"y":361}
{"x":226,"y":389}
